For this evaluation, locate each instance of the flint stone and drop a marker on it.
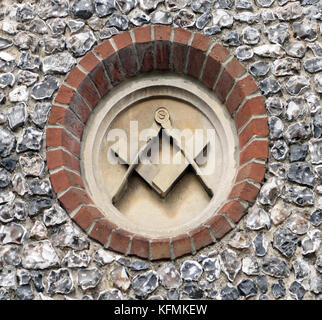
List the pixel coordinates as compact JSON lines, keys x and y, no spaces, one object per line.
{"x":290,"y":12}
{"x":7,"y":62}
{"x":285,"y":67}
{"x":285,"y":242}
{"x":270,"y":191}
{"x":76,"y":259}
{"x":315,"y":148}
{"x":19,"y":94}
{"x":12,"y":233}
{"x":275,"y":267}
{"x":240,"y":240}
{"x":203,"y":20}
{"x":270,"y":51}
{"x":259,"y":69}
{"x":150,"y":5}
{"x":161,"y":17}
{"x":6,"y":214}
{"x":25,"y":12}
{"x":280,"y":212}
{"x":295,"y":107}
{"x":244,"y":4}
{"x":25,"y":41}
{"x":68,"y":236}
{"x":264,"y":3}
{"x":19,"y":184}
{"x":318,"y":83}
{"x":145,"y":283}
{"x":301,"y":269}
{"x":19,"y":210}
{"x":6,"y":196}
{"x":60,"y":281}
{"x":173,"y":294}
{"x":222,"y":19}
{"x":175,"y":5}
{"x":119,"y":21}
{"x":305,"y":30}
{"x":274,"y":106}
{"x":316,"y":48}
{"x":279,"y":150}
{"x":40,"y":114}
{"x":139,"y":18}
{"x":113,"y":294}
{"x":7,"y":80}
{"x":28,"y":62}
{"x":17,"y":116}
{"x":192,"y":290}
{"x":250,"y":35}
{"x":138,"y":265}
{"x":8,"y":277}
{"x":212,"y":268}
{"x":30,"y":140}
{"x":105,"y":7}
{"x":297,"y":132}
{"x":120,"y":278}
{"x":78,"y":45}
{"x":27,"y":78}
{"x":184,"y":19}
{"x":247,"y":288}
{"x":313,"y":65}
{"x":244,"y":53}
{"x":316,"y":285}
{"x":126,"y":6}
{"x":250,"y":266}
{"x":89,"y":278}
{"x":297,"y":290}
{"x":228,"y":292}
{"x":260,"y":244}
{"x":278,"y":289}
{"x":302,"y":174}
{"x":57,"y":26}
{"x":230,"y":264}
{"x":296,"y":49}
{"x":75,"y":25}
{"x":169,"y":276}
{"x":278,"y":33}
{"x":51,"y":45}
{"x":24,"y":276}
{"x":5,"y":43}
{"x":232,"y":39}
{"x":38,"y":26}
{"x":45,"y":89}
{"x":10,"y":255}
{"x":54,"y":216}
{"x":262,"y":283}
{"x":4,"y":178}
{"x":83,"y":9}
{"x":302,"y":196}
{"x":257,"y":219}
{"x":106,"y":33}
{"x":268,"y":16}
{"x":247,"y":17}
{"x":317,"y":125}
{"x":39,"y":255}
{"x":4,"y":294}
{"x":39,"y":231}
{"x":191,"y":270}
{"x":269,"y":86}
{"x":53,"y":9}
{"x":102,"y":257}
{"x":316,"y":217}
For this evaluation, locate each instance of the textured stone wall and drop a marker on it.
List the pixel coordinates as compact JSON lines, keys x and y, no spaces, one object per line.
{"x":273,"y":253}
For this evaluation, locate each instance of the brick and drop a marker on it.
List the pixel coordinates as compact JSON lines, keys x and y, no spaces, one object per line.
{"x":179,"y":57}
{"x":140,"y":247}
{"x":256,"y":127}
{"x":63,"y":179}
{"x":87,"y":90}
{"x":257,"y":149}
{"x":105,"y":50}
{"x":143,"y":34}
{"x":219,"y":53}
{"x":73,"y":198}
{"x":99,"y":78}
{"x":210,"y":72}
{"x":253,"y":106}
{"x":241,"y":90}
{"x":181,"y":245}
{"x":102,"y":230}
{"x":162,"y":33}
{"x":181,"y":36}
{"x":75,"y":77}
{"x":128,"y":59}
{"x":89,"y":61}
{"x":64,"y":95}
{"x":219,"y":225}
{"x":245,"y":191}
{"x":80,"y":107}
{"x":58,"y":137}
{"x":200,"y":42}
{"x":145,"y":54}
{"x":120,"y":240}
{"x":86,"y":215}
{"x":65,"y":117}
{"x":59,"y":157}
{"x":201,"y":237}
{"x":162,"y":55}
{"x":234,"y":210}
{"x":160,"y":249}
{"x":232,"y":70}
{"x":195,"y":62}
{"x":114,"y":69}
{"x":254,"y":171}
{"x":122,"y":40}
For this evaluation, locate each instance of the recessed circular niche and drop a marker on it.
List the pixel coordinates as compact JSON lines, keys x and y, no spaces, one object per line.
{"x":162,"y":198}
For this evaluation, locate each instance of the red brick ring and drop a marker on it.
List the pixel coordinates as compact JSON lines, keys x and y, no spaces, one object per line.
{"x":141,"y":50}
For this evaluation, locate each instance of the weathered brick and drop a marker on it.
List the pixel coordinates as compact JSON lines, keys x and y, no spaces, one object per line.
{"x":64,"y":95}
{"x":245,"y":191}
{"x":160,"y":249}
{"x":140,"y":247}
{"x":256,"y":127}
{"x":75,"y":77}
{"x":234,"y":210}
{"x":257,"y":149}
{"x":59,"y":157}
{"x":219,"y":225}
{"x":114,"y":69}
{"x":73,"y":198}
{"x":120,"y":240}
{"x":87,"y":90}
{"x":63,"y":179}
{"x":201,"y":237}
{"x":86,"y":215}
{"x":102,"y":230}
{"x":254,"y":171}
{"x":181,"y":245}
{"x":89,"y":61}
